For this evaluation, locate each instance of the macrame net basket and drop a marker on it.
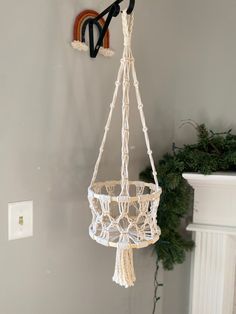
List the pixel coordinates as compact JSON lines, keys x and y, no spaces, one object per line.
{"x":124,"y":212}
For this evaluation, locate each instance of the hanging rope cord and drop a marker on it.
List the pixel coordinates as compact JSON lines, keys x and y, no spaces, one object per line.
{"x":108,"y":123}
{"x":126,"y":66}
{"x":114,"y":223}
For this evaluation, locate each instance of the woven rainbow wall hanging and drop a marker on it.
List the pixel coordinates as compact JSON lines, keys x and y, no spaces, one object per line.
{"x":80,"y":24}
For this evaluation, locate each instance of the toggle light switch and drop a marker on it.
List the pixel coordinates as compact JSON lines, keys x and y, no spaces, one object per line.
{"x":20,"y":220}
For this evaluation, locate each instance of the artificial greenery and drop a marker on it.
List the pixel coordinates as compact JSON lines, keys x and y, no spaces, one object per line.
{"x":212,"y":152}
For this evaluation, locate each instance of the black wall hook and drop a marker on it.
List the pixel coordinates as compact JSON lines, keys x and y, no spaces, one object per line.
{"x":113,"y":10}
{"x":131,"y":7}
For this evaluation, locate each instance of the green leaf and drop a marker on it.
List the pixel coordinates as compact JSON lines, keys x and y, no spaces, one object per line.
{"x":212,"y":152}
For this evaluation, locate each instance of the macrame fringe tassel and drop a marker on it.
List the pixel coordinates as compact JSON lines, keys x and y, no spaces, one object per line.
{"x":124,"y":270}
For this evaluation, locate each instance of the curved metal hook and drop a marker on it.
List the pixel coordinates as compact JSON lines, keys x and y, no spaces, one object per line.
{"x":131,"y":7}
{"x":116,"y":9}
{"x":112,"y":11}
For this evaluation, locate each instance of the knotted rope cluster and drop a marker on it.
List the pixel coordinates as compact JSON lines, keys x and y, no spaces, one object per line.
{"x":124,"y":212}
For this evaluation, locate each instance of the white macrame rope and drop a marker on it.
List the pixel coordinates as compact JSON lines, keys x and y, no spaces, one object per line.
{"x":107,"y":127}
{"x":124,"y":212}
{"x":124,"y":269}
{"x":143,"y":121}
{"x":127,"y":63}
{"x":124,"y":272}
{"x":127,"y":22}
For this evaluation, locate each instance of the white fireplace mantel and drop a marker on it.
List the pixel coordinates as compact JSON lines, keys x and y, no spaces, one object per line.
{"x":214,"y":256}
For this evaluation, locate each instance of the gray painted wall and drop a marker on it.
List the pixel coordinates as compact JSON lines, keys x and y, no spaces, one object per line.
{"x":201,"y":87}
{"x":54,"y":102}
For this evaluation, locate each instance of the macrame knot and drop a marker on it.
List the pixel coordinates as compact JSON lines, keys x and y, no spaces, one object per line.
{"x":127,"y":22}
{"x":140,"y":107}
{"x":127,"y":41}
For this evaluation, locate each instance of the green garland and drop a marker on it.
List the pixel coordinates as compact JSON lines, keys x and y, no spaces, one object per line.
{"x":212,"y":152}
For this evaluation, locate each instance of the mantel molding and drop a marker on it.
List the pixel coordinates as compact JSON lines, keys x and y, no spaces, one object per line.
{"x":214,"y":231}
{"x":219,"y":178}
{"x":214,"y":198}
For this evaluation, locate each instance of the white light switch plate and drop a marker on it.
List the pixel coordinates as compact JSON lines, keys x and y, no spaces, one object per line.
{"x":20,"y":220}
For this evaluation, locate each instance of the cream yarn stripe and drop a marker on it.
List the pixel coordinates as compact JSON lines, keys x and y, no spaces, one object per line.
{"x":107,"y":127}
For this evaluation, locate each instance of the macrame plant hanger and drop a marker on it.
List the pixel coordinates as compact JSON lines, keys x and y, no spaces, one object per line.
{"x":124,"y":212}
